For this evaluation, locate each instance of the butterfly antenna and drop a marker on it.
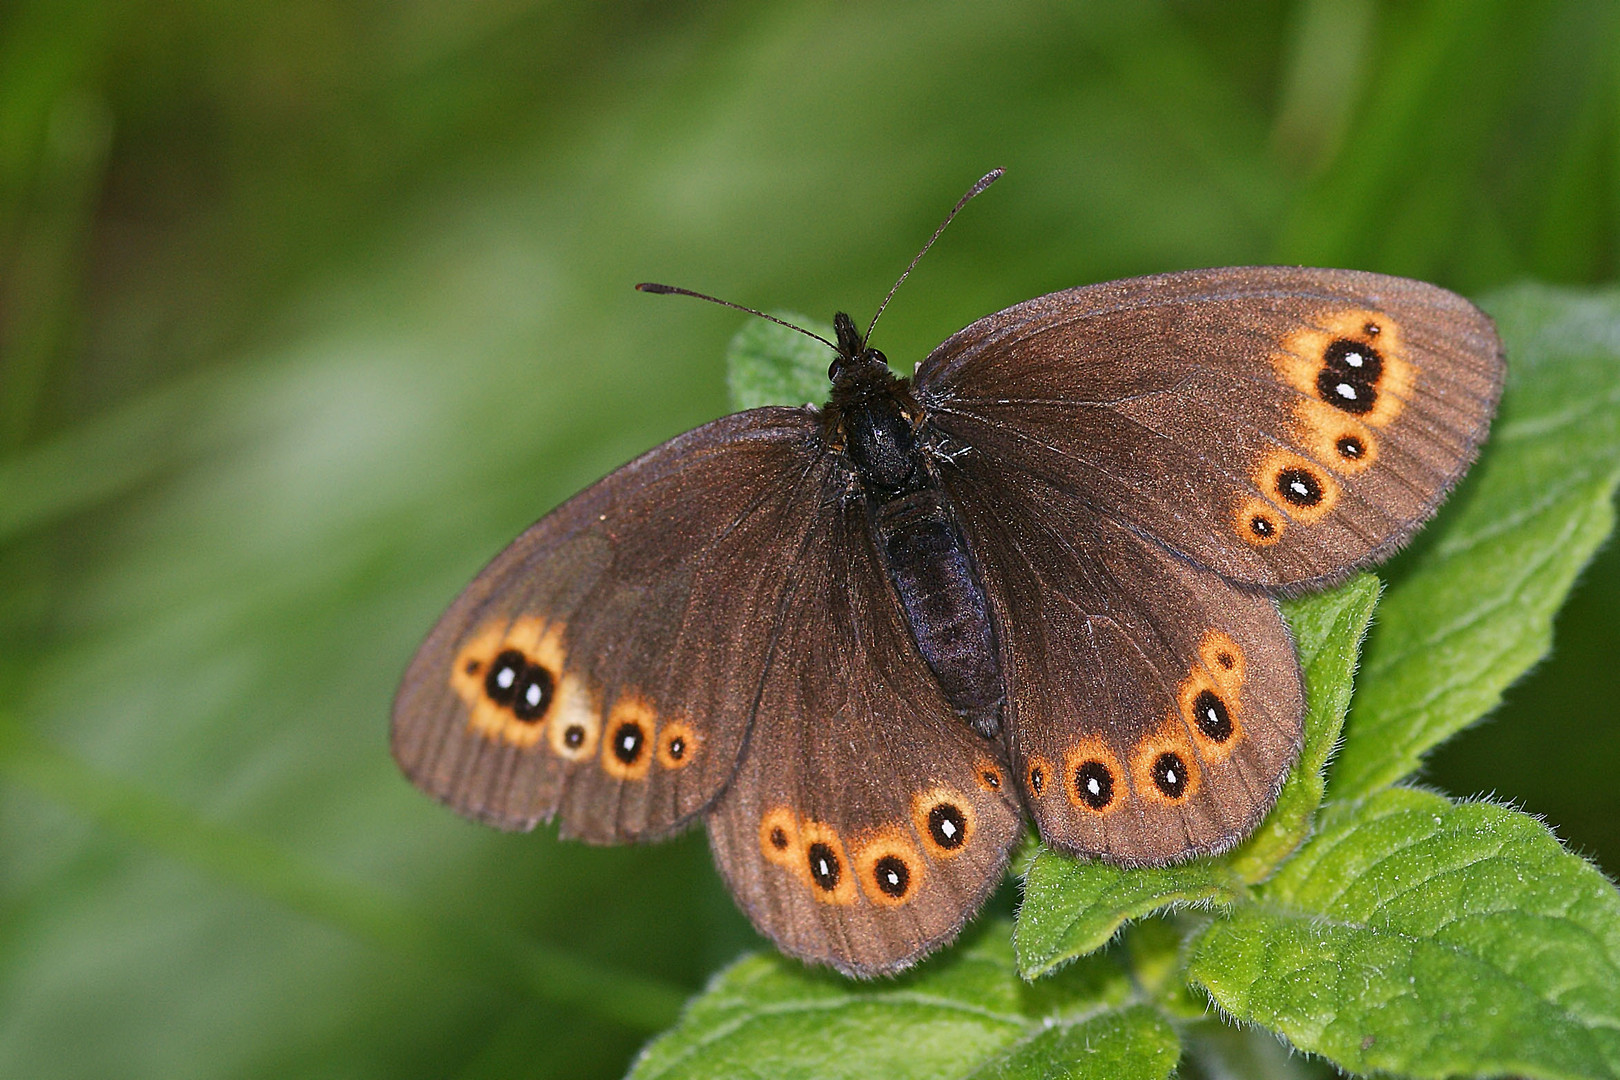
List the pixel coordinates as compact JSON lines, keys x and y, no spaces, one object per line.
{"x":984,"y":181}
{"x":668,"y":290}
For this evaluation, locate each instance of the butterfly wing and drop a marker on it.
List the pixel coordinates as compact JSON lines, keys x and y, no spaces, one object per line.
{"x":1278,"y":425}
{"x":605,"y":667}
{"x":1153,"y":708}
{"x":866,"y":822}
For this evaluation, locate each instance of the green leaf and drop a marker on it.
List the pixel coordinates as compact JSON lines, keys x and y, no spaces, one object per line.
{"x":1328,"y":630}
{"x":1073,"y":907}
{"x":1475,"y":609}
{"x":1131,"y":1042}
{"x":768,"y":364}
{"x":1419,"y":936}
{"x":965,"y":1014}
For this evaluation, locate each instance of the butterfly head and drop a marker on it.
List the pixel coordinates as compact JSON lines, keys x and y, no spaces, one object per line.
{"x":855,"y":362}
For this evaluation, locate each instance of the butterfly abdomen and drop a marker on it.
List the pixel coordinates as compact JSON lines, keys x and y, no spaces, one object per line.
{"x":922,"y":548}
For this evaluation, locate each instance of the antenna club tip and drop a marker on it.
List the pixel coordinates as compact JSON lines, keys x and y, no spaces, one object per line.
{"x":653,"y":287}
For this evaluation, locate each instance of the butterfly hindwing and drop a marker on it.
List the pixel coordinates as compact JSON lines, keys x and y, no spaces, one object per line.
{"x":1277,"y":425}
{"x":866,"y":822}
{"x":604,"y":668}
{"x":1153,"y":707}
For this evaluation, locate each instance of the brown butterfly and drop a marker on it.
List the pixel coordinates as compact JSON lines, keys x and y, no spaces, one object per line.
{"x":865,"y":641}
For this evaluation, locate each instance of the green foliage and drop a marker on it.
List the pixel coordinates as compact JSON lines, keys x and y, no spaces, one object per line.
{"x":767,"y":364}
{"x":308,"y":306}
{"x":966,"y":1015}
{"x":1429,"y":938}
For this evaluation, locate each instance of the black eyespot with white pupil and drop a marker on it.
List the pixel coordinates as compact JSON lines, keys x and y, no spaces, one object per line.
{"x":1349,"y":376}
{"x":1262,"y":527}
{"x":779,"y":838}
{"x":573,"y":736}
{"x":1350,"y":448}
{"x":892,"y":875}
{"x":533,"y":693}
{"x":628,"y":740}
{"x":1094,"y":783}
{"x":501,"y":682}
{"x":1212,"y":717}
{"x":1170,"y":774}
{"x":676,"y":747}
{"x":824,"y":867}
{"x":1037,"y":778}
{"x":1299,"y":487}
{"x":947,"y":826}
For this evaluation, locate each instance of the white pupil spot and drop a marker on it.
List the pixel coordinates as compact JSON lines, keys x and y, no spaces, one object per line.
{"x":505,"y":677}
{"x":894,"y":878}
{"x":628,"y":740}
{"x":1346,"y":391}
{"x":1299,"y":488}
{"x":948,"y":827}
{"x":532,"y":695}
{"x":822,"y":869}
{"x":1093,"y":787}
{"x":1213,"y":719}
{"x":1170,"y":777}
{"x":1353,"y":359}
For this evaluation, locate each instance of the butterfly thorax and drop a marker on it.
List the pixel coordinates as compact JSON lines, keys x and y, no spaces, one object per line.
{"x":878,"y":427}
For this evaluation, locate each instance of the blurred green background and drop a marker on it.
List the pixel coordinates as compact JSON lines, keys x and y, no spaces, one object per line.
{"x":306,"y":308}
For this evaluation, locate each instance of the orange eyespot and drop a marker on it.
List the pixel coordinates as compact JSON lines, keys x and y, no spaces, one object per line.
{"x":826,"y":868}
{"x":1297,"y":486}
{"x":779,"y":840}
{"x":677,"y":744}
{"x":509,"y":676}
{"x":1258,"y":523}
{"x":890,"y":869}
{"x":1223,"y":658}
{"x":1092,"y":778}
{"x":1334,"y":440}
{"x":945,"y":821}
{"x":627,"y":743}
{"x":1164,"y":768}
{"x":1360,"y":372}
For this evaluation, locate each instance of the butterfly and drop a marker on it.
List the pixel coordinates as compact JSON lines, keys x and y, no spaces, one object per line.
{"x":865,"y":642}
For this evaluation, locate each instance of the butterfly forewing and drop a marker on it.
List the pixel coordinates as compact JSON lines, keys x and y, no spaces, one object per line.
{"x":604,"y":667}
{"x":1278,"y":425}
{"x":866,"y":822}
